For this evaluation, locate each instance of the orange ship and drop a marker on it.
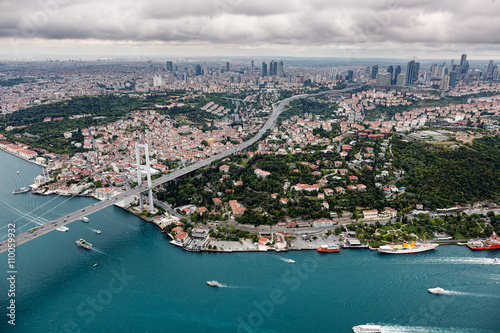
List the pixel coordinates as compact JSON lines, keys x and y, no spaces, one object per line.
{"x":492,"y":243}
{"x":328,"y":248}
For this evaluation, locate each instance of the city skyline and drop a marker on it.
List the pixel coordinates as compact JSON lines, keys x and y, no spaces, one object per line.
{"x":236,"y":28}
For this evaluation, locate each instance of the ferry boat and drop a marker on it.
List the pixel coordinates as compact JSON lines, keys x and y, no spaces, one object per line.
{"x":367,"y":329}
{"x":85,"y":219}
{"x":328,"y":248}
{"x":97,"y":231}
{"x":214,"y":284}
{"x":407,"y":248}
{"x":62,"y":228}
{"x":437,"y":291}
{"x":492,"y":243}
{"x":83,"y":243}
{"x":21,"y":190}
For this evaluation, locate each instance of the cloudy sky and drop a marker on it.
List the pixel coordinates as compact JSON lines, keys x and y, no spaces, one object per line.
{"x":332,"y":28}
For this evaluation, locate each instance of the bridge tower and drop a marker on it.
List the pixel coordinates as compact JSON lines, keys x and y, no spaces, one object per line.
{"x":139,"y":176}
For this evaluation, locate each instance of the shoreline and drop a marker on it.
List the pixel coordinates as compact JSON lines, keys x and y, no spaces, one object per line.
{"x":16,"y":155}
{"x":227,"y":246}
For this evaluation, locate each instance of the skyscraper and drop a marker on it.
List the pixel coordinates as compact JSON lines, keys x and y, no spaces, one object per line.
{"x":495,"y":73}
{"x":453,"y":79}
{"x":273,"y":68}
{"x":390,"y":70}
{"x":333,"y":73}
{"x":279,"y":68}
{"x":489,"y":70}
{"x":264,"y":69}
{"x":252,"y":66}
{"x":463,"y":60}
{"x":227,"y":66}
{"x":374,"y":72}
{"x":396,"y":73}
{"x":412,"y":72}
{"x":169,"y":66}
{"x":350,"y":75}
{"x":197,"y":70}
{"x":464,"y":65}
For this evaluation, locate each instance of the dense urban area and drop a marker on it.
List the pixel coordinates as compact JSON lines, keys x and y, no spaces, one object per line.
{"x":410,"y":152}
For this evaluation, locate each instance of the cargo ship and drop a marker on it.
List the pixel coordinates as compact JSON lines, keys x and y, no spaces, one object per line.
{"x":83,"y":243}
{"x":492,"y":243}
{"x":21,"y":190}
{"x":407,"y":248}
{"x":328,"y":248}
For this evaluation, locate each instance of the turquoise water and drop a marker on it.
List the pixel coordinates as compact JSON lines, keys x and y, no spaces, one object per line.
{"x":143,"y":284}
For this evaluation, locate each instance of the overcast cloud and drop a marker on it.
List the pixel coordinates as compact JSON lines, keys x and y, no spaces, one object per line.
{"x":239,"y":26}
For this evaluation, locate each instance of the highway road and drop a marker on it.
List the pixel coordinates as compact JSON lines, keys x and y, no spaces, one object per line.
{"x":48,"y":227}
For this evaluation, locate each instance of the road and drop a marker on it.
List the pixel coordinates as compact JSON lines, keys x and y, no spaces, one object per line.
{"x":48,"y":227}
{"x":168,"y":208}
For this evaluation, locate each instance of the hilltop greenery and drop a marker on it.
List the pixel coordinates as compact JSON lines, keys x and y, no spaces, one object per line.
{"x":442,"y":177}
{"x":102,"y":109}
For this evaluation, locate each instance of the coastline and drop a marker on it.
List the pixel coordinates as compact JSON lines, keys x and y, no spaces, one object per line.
{"x":25,"y":159}
{"x":228,"y":246}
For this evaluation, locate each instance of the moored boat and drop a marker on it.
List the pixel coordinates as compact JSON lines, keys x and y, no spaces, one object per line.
{"x":83,"y":243}
{"x":407,"y":248}
{"x":492,"y":243}
{"x":367,"y":329}
{"x":328,"y":248}
{"x":21,"y":190}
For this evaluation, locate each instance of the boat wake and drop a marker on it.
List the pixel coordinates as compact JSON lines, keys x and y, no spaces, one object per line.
{"x":289,"y":261}
{"x":422,"y":329}
{"x":104,"y":253}
{"x":463,"y":293}
{"x":464,"y":261}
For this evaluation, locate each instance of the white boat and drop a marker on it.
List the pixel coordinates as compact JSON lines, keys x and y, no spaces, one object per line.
{"x":367,"y":329}
{"x":85,"y":219}
{"x":21,"y":190}
{"x":62,"y":228}
{"x":290,"y":261}
{"x":97,"y":231}
{"x":407,"y":248}
{"x":214,"y":284}
{"x":437,"y":291}
{"x":18,"y":171}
